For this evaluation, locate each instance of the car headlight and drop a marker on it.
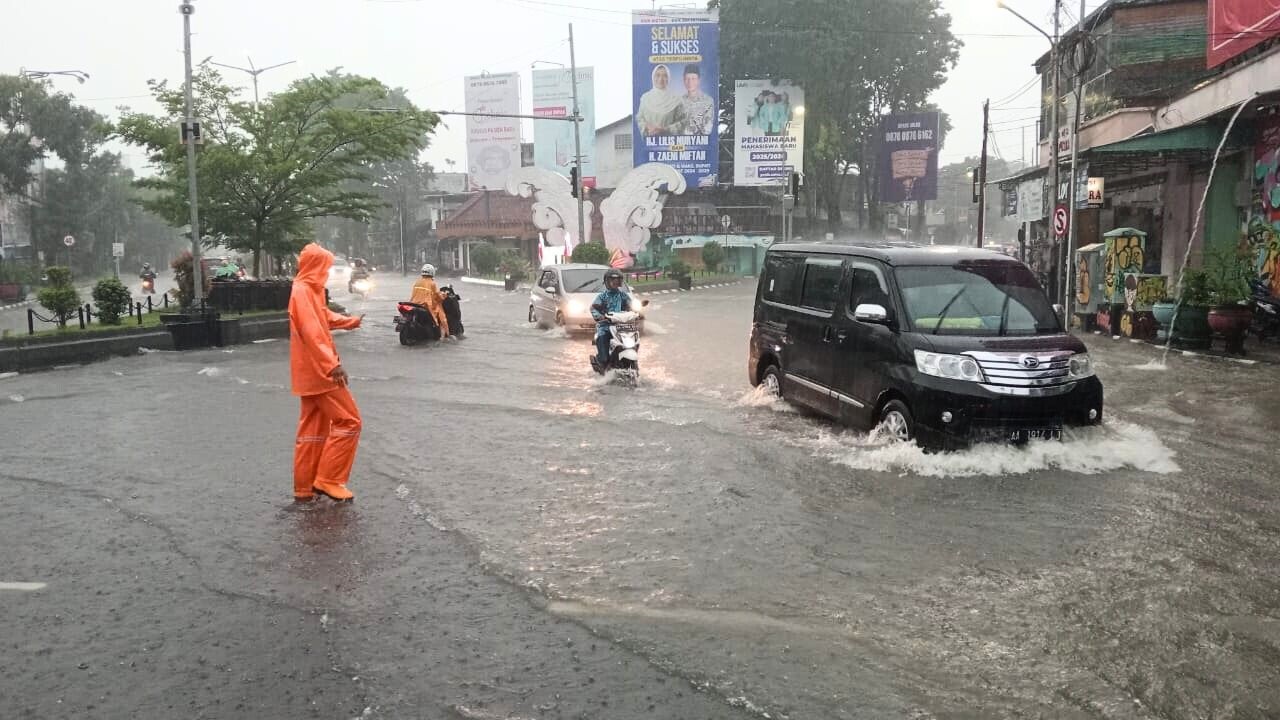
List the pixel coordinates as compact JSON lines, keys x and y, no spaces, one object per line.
{"x":577,"y":307}
{"x":1080,"y":366}
{"x":952,"y":367}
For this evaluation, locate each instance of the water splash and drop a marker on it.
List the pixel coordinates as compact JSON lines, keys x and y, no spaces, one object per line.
{"x":1158,"y":365}
{"x":1204,"y":198}
{"x":760,"y":397}
{"x":7,"y":375}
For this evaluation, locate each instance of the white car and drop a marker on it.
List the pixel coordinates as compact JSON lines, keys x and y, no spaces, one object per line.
{"x":563,"y":294}
{"x":340,"y":270}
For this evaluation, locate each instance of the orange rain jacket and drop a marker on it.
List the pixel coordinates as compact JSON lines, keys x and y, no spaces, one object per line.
{"x":426,"y":293}
{"x":312,"y":355}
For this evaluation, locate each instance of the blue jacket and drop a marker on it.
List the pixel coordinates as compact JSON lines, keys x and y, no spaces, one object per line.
{"x":613,"y":301}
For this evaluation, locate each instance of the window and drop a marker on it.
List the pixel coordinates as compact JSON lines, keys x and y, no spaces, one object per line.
{"x":867,"y":286}
{"x":548,"y":279}
{"x":782,"y":278}
{"x":622,"y":141}
{"x":821,"y":284}
{"x":971,"y":298}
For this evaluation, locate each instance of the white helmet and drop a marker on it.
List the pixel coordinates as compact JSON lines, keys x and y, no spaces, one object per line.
{"x":428,"y":270}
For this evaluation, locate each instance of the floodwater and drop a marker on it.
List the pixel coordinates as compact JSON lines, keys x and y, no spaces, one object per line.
{"x":791,"y":568}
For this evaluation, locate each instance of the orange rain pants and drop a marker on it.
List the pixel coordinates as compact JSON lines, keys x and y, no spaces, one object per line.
{"x":328,"y":434}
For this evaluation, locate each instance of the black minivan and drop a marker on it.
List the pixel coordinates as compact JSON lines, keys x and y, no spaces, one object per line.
{"x":945,"y":345}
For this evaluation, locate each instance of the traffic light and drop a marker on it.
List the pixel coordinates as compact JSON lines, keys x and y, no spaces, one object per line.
{"x":573,"y":181}
{"x":795,"y":183}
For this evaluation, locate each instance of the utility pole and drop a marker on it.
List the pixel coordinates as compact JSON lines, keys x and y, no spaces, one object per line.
{"x":189,"y":135}
{"x":1053,"y":104}
{"x":1068,"y":297}
{"x":404,"y":265}
{"x":577,"y":139}
{"x":982,"y":172}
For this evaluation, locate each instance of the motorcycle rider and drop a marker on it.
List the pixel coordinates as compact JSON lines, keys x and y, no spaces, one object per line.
{"x":612,"y":299}
{"x":427,"y":294}
{"x":147,"y":276}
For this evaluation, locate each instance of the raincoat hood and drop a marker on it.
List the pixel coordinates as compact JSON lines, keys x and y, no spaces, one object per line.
{"x":313,"y":265}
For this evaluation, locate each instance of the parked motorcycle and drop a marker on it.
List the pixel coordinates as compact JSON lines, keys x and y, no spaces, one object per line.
{"x":1266,"y":310}
{"x":624,"y":346}
{"x":415,"y":324}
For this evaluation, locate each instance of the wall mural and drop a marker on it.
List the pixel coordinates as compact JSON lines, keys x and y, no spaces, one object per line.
{"x":1124,"y":255}
{"x":1264,"y":218}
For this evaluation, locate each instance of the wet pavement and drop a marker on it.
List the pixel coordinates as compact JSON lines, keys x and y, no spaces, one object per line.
{"x":530,"y":543}
{"x":14,"y":319}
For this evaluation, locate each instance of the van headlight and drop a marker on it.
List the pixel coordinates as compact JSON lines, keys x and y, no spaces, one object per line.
{"x":1080,"y":366}
{"x":951,"y":367}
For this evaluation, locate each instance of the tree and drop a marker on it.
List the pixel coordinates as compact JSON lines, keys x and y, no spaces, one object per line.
{"x":485,"y":258}
{"x":713,"y":254}
{"x":34,"y":122}
{"x":266,"y":173}
{"x":59,"y":296}
{"x":591,"y":253}
{"x":857,"y":60}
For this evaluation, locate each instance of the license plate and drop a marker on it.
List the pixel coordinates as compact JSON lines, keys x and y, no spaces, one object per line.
{"x":1025,"y":434}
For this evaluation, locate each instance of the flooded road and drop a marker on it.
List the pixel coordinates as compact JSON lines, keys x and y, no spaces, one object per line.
{"x":757,"y":561}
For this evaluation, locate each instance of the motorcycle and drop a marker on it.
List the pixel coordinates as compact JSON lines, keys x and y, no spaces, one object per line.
{"x":415,"y":325}
{"x":360,"y":286}
{"x":1266,"y":310}
{"x":149,"y":284}
{"x":624,"y":346}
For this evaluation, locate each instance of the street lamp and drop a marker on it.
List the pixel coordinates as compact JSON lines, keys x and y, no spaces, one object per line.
{"x":79,"y":75}
{"x":254,"y":72}
{"x":1053,"y":132}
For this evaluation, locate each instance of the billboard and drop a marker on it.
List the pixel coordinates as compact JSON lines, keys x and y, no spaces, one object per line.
{"x":768,"y":131}
{"x":493,"y":144}
{"x":908,"y":157}
{"x":1237,"y":25}
{"x":553,"y":145}
{"x":675,"y":92}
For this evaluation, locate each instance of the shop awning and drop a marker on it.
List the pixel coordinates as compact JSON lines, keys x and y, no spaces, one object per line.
{"x":1190,"y":144}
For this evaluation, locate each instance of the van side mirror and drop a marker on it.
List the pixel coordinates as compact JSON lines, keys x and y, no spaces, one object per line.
{"x":871,"y":313}
{"x":551,"y":289}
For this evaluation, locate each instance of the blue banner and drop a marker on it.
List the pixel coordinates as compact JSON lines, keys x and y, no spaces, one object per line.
{"x":675,"y":82}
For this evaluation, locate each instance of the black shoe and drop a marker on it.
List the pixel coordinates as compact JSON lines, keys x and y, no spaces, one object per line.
{"x":595,"y":365}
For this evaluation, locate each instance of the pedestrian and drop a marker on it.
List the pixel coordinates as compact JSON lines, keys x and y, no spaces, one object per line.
{"x":329,"y":426}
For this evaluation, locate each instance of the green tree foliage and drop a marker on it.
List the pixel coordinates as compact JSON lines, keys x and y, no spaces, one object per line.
{"x":59,"y":296}
{"x":182,"y":277}
{"x":592,"y":253}
{"x":857,"y":60}
{"x":485,"y":258}
{"x":112,"y":299}
{"x":266,"y":173}
{"x":678,"y":269}
{"x":713,"y":255}
{"x":514,"y":264}
{"x":36,"y":122}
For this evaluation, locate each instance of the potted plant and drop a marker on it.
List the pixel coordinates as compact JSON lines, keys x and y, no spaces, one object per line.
{"x":678,"y":270}
{"x":1229,"y":292}
{"x":1190,"y":324}
{"x":1164,"y":309}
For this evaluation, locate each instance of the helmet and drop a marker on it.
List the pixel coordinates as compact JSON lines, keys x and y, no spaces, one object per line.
{"x":428,"y":270}
{"x":612,"y":274}
{"x":146,"y":266}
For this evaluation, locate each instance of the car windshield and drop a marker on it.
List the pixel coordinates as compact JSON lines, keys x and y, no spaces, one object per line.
{"x":975,"y":298}
{"x":583,"y":281}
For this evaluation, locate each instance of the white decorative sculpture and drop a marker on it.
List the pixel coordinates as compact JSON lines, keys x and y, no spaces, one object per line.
{"x":635,"y":207}
{"x":554,"y":206}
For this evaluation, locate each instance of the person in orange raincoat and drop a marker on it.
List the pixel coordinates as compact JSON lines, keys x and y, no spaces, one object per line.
{"x":329,"y":426}
{"x":427,"y":294}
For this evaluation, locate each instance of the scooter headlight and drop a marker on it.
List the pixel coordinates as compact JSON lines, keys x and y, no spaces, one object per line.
{"x":951,"y":367}
{"x":1080,"y":366}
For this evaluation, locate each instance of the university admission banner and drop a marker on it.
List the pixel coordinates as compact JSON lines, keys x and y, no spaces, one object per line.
{"x":553,"y":142}
{"x":493,"y":144}
{"x":1238,"y":25}
{"x":768,"y":127}
{"x":675,"y":86}
{"x":908,"y":157}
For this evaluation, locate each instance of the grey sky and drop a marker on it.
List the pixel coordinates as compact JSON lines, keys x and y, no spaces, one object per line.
{"x":427,"y":46}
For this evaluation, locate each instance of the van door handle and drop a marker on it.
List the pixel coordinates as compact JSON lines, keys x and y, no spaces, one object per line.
{"x":827,"y":334}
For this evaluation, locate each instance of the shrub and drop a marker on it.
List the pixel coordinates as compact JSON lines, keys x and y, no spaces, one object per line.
{"x":485,"y":258}
{"x":58,"y":296}
{"x":591,"y":253}
{"x":678,"y":269}
{"x":713,"y":255}
{"x":113,"y":300}
{"x":1195,"y":289}
{"x":182,"y":275}
{"x":515,"y":265}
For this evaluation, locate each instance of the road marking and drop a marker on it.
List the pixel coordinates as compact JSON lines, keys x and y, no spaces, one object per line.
{"x":23,"y":586}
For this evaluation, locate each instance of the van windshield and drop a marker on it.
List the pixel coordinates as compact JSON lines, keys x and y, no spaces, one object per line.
{"x":975,"y":298}
{"x":583,"y":281}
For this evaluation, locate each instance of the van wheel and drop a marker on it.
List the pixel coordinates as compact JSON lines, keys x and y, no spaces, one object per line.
{"x":897,"y":422}
{"x":772,"y":381}
{"x":559,"y":319}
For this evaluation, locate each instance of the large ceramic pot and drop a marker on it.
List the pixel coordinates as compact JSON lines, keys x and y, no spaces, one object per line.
{"x":1231,"y":322}
{"x":1163,"y":312}
{"x":1191,"y":327}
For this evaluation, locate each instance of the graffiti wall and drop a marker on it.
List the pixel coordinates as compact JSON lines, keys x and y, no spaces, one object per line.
{"x":1264,"y":217}
{"x":1124,"y":256}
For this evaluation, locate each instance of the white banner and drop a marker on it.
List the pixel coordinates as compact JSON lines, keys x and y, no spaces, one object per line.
{"x":553,"y":142}
{"x":768,"y":131}
{"x":1031,"y":200}
{"x":493,"y":144}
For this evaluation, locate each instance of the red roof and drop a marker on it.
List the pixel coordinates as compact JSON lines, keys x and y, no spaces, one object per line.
{"x":490,"y":214}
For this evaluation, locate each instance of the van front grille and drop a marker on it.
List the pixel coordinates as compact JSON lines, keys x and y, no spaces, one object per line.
{"x":1030,"y":373}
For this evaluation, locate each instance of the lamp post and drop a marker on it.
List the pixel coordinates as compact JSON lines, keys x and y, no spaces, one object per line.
{"x":190,"y":138}
{"x":1053,"y":62}
{"x":253,"y":72}
{"x":79,"y":75}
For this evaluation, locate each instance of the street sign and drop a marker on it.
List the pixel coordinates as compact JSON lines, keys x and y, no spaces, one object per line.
{"x":68,"y":241}
{"x":117,"y":249}
{"x":726,"y":221}
{"x":1060,"y":221}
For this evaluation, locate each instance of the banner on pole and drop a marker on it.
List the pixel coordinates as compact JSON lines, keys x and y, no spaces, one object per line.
{"x":493,"y":143}
{"x":768,"y":131}
{"x":675,"y":92}
{"x":908,"y":157}
{"x":553,"y":142}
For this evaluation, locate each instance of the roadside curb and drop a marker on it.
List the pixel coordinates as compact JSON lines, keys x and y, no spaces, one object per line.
{"x":694,"y":288}
{"x":1248,"y":360}
{"x":15,"y":306}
